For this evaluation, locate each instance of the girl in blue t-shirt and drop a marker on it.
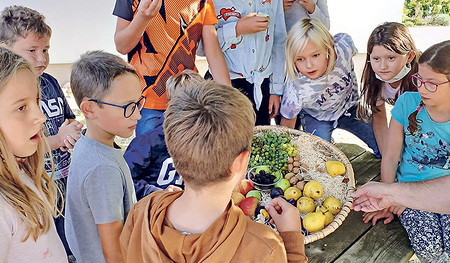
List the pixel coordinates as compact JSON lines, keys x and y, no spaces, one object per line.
{"x":321,"y":85}
{"x":391,"y":60}
{"x":419,"y":133}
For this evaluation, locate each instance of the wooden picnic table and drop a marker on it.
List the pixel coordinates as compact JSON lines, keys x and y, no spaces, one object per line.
{"x":355,"y":241}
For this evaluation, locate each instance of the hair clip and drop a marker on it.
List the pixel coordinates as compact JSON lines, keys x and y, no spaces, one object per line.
{"x":419,"y":108}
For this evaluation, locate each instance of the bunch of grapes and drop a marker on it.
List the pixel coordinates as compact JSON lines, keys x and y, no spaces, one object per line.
{"x":272,"y":149}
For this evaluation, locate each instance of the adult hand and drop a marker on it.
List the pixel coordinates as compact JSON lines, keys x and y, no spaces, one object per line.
{"x":149,"y":8}
{"x":308,"y":5}
{"x":374,"y":216}
{"x":287,"y":4}
{"x":372,"y":197}
{"x":69,"y":133}
{"x":274,"y":105}
{"x":251,"y":23}
{"x":285,"y":216}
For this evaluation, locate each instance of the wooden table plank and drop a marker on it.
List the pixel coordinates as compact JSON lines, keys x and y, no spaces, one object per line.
{"x":350,"y":150}
{"x":382,"y":243}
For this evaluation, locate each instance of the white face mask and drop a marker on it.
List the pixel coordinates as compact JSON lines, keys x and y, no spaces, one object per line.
{"x":403,"y":72}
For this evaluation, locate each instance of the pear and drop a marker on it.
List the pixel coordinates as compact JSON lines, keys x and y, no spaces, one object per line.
{"x":305,"y":205}
{"x":328,"y":215}
{"x":333,"y":205}
{"x":313,"y":189}
{"x":314,"y":222}
{"x":335,"y":168}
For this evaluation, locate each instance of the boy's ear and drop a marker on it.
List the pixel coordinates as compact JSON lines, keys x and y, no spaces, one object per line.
{"x":411,"y":56}
{"x":87,"y":108}
{"x":240,"y":164}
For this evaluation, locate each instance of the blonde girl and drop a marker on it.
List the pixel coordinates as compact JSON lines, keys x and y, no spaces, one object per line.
{"x":419,"y":132}
{"x":391,"y":60}
{"x":321,"y":86}
{"x":27,"y":193}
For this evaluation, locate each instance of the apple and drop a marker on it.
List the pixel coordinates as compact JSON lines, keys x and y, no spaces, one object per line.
{"x":283,"y":184}
{"x":254,"y":193}
{"x":237,"y":197}
{"x":245,"y":186}
{"x":249,"y":205}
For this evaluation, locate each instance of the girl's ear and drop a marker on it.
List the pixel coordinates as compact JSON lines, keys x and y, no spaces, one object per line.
{"x":87,"y":107}
{"x":411,"y":56}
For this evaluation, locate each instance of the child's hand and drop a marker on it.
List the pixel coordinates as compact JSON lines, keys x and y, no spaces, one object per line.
{"x":274,"y":105}
{"x":285,"y":216}
{"x":308,"y":5}
{"x":287,"y":4}
{"x":251,"y":23}
{"x":69,"y":133}
{"x":149,"y":8}
{"x":374,"y":216}
{"x":397,"y":209}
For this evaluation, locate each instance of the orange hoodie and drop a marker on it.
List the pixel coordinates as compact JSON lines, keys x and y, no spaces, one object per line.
{"x":148,"y":236}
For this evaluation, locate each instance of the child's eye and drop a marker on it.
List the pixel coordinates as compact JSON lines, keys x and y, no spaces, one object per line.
{"x":375,"y":59}
{"x":21,"y":108}
{"x":391,"y":58}
{"x":31,"y":50}
{"x":45,"y":50}
{"x":299,"y":59}
{"x":316,"y":55}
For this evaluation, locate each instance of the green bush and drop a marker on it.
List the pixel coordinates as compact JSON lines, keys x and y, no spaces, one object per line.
{"x":420,"y":22}
{"x":441,"y":20}
{"x":408,"y":23}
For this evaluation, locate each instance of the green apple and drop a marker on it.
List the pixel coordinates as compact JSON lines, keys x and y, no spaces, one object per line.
{"x":283,"y":184}
{"x":254,"y":193}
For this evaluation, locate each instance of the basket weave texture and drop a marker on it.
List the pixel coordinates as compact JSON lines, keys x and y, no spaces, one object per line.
{"x":339,"y":156}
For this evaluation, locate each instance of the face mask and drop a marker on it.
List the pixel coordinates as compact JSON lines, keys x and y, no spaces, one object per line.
{"x":403,"y":72}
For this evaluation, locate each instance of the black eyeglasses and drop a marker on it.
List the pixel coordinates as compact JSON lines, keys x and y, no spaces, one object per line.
{"x":128,"y":109}
{"x":430,"y":86}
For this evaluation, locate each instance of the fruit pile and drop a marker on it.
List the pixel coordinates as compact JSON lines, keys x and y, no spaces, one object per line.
{"x":272,"y":149}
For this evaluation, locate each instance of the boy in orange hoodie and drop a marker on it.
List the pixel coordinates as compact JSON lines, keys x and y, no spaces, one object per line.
{"x":208,"y":130}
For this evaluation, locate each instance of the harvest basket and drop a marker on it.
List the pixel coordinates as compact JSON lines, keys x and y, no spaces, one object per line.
{"x":311,"y":145}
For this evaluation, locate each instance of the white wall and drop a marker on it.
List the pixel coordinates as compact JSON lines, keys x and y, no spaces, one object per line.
{"x":77,"y":25}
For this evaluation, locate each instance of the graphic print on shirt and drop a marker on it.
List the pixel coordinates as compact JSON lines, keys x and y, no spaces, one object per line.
{"x":426,"y":154}
{"x":168,"y":173}
{"x":226,"y":13}
{"x":180,"y":57}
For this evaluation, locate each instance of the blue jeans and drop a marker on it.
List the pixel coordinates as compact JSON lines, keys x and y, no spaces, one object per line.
{"x":323,"y":129}
{"x":149,"y":120}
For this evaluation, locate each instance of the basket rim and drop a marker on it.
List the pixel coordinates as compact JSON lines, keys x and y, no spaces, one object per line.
{"x":346,"y":207}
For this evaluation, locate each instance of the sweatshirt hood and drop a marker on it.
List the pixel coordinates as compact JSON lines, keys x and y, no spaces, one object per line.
{"x":218,"y":243}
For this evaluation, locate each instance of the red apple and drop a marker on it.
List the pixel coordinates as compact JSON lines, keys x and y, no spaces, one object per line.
{"x":237,"y":197}
{"x":249,"y":205}
{"x":245,"y":186}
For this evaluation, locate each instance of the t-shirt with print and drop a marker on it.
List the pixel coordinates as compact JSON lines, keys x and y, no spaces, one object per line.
{"x":168,"y":45}
{"x":426,"y":154}
{"x":388,"y":94}
{"x":46,"y":249}
{"x":328,"y":97}
{"x":99,"y":191}
{"x":56,"y":108}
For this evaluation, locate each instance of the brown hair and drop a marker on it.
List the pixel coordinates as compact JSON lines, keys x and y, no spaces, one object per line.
{"x":17,"y":21}
{"x":394,"y":37}
{"x":437,"y":57}
{"x":35,"y":212}
{"x":93,"y":74}
{"x":206,"y":126}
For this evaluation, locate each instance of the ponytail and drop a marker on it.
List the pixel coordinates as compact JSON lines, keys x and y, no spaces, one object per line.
{"x":412,"y":120}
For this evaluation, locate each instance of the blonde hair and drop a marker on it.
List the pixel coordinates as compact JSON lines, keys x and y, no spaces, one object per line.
{"x":35,"y":212}
{"x":300,"y":33}
{"x":206,"y":126}
{"x":185,"y":79}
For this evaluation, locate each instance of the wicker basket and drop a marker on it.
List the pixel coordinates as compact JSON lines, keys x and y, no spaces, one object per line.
{"x":340,"y":156}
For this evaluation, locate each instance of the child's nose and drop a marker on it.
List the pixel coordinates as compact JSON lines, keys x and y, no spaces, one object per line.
{"x":40,"y":56}
{"x":38,"y":116}
{"x":383,"y":64}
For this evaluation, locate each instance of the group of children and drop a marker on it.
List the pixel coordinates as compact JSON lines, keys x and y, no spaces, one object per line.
{"x":203,"y":128}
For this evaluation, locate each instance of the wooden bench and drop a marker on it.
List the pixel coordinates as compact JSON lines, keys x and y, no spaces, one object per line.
{"x":355,"y":241}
